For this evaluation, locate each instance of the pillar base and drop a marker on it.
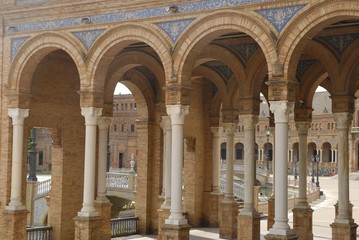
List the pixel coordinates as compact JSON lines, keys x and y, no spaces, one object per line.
{"x":87,"y":228}
{"x":14,"y":225}
{"x":163,"y":214}
{"x":344,"y":231}
{"x":215,"y":201}
{"x":280,"y":237}
{"x":270,"y":220}
{"x":228,"y":220}
{"x":104,"y":208}
{"x":303,"y":222}
{"x":175,"y":232}
{"x":249,"y":227}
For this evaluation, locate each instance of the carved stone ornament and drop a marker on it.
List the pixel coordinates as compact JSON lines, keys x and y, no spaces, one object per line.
{"x":190,"y":144}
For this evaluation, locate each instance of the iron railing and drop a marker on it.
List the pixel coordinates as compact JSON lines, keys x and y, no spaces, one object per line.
{"x":124,"y":226}
{"x":38,"y":233}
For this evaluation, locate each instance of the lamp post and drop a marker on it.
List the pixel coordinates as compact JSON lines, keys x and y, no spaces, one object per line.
{"x":313,"y":161}
{"x":317,"y":161}
{"x":108,"y":155}
{"x":32,"y":156}
{"x":267,"y":148}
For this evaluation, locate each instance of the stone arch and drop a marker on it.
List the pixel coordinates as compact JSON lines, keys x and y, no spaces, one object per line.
{"x":34,"y":50}
{"x":350,"y":70}
{"x":206,"y":29}
{"x":310,"y":22}
{"x":114,"y":40}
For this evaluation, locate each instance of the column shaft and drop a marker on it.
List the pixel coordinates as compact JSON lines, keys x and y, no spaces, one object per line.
{"x":167,"y":145}
{"x":215,"y":160}
{"x":302,"y":134}
{"x":91,"y":115}
{"x":228,"y":192}
{"x":18,"y":116}
{"x":103,"y":124}
{"x":249,"y":163}
{"x":177,"y":114}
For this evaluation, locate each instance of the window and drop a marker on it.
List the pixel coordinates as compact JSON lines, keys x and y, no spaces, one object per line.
{"x":115,"y":128}
{"x":132,"y":127}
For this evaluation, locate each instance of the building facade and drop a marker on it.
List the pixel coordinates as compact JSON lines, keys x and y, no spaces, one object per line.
{"x":193,"y":68}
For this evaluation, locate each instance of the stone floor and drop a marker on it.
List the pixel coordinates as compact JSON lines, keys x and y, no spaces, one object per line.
{"x":323,"y":214}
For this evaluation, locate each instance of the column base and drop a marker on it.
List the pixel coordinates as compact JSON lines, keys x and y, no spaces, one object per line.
{"x":175,"y":232}
{"x":87,"y":228}
{"x":14,"y":225}
{"x":213,"y":216}
{"x":270,"y":220}
{"x":280,"y":237}
{"x":104,"y":209}
{"x":344,"y":231}
{"x":228,"y":220}
{"x":303,"y":222}
{"x":163,"y":214}
{"x":249,"y":227}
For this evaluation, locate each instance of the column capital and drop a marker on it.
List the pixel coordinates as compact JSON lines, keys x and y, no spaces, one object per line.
{"x":229,"y":128}
{"x":18,"y":115}
{"x":281,"y":110}
{"x":91,"y":115}
{"x":177,"y":113}
{"x":104,"y":122}
{"x":215,"y":131}
{"x":302,"y":127}
{"x":343,"y":120}
{"x":166,"y":123}
{"x":249,"y":121}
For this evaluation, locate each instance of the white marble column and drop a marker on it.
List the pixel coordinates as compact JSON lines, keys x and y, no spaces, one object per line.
{"x":229,"y":129}
{"x":18,"y":116}
{"x":281,"y":111}
{"x":103,"y":124}
{"x":167,"y":145}
{"x":215,"y":161}
{"x":303,"y":139}
{"x":249,"y":122}
{"x":177,"y":114}
{"x":343,"y":121}
{"x":91,"y":116}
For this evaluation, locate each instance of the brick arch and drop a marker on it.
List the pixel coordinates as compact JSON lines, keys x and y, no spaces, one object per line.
{"x":127,"y":61}
{"x":309,"y":23}
{"x":34,"y":50}
{"x":348,"y":81}
{"x":114,"y":40}
{"x":204,"y":30}
{"x":256,"y":72}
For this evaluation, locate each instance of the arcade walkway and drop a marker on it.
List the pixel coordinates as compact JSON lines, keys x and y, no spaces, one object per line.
{"x":323,"y":215}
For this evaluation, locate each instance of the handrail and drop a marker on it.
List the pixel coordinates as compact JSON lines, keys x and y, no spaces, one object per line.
{"x":124,"y":226}
{"x":42,"y":188}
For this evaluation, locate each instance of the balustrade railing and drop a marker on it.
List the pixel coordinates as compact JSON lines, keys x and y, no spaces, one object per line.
{"x":42,"y":188}
{"x":240,"y":168}
{"x":121,"y":181}
{"x":38,"y":233}
{"x":238,"y":188}
{"x":124,"y":226}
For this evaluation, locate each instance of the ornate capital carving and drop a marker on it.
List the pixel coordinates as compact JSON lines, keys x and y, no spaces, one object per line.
{"x":191,"y":144}
{"x":91,"y":115}
{"x":281,"y":110}
{"x":104,"y":122}
{"x":302,"y":127}
{"x":177,"y":113}
{"x":55,"y":136}
{"x":166,"y":123}
{"x":18,"y":115}
{"x":249,"y":121}
{"x":215,"y":131}
{"x":229,"y":128}
{"x":343,"y":120}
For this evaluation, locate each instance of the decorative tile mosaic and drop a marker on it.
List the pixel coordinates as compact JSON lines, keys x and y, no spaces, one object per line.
{"x":174,"y":28}
{"x":304,"y":65}
{"x":16,"y":44}
{"x":128,"y":15}
{"x":279,"y":17}
{"x":340,"y":42}
{"x":245,"y":50}
{"x":88,"y":37}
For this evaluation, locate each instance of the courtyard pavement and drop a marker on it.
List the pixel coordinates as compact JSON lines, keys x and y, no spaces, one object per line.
{"x":323,"y":214}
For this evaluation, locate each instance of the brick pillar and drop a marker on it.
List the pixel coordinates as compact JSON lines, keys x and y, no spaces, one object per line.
{"x":270,"y":220}
{"x":163,"y":214}
{"x":176,"y":232}
{"x":30,"y":187}
{"x":303,"y":222}
{"x":215,"y":202}
{"x":105,"y":223}
{"x":88,"y":228}
{"x":228,"y":220}
{"x":14,"y":224}
{"x":249,"y":227}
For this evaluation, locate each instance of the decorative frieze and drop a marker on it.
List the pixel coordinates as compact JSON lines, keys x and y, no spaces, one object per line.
{"x":174,"y":28}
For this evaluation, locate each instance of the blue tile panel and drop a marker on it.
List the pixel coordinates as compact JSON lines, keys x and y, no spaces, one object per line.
{"x":16,"y":44}
{"x":304,"y":65}
{"x":88,"y":37}
{"x":174,"y":28}
{"x":340,"y":42}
